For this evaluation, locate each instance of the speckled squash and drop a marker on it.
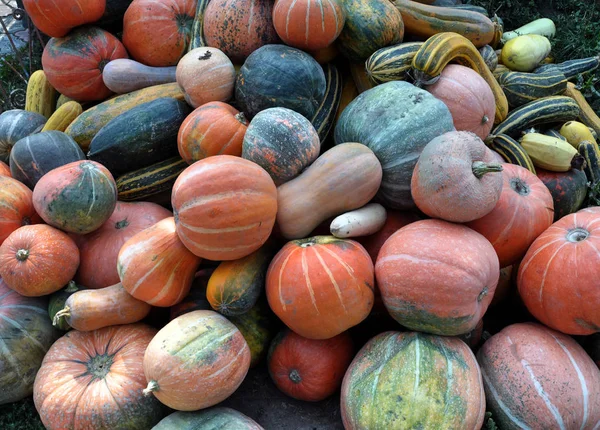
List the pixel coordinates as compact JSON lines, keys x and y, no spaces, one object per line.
{"x":16,"y":124}
{"x":213,"y":418}
{"x":16,"y":207}
{"x":568,"y":190}
{"x":425,"y":381}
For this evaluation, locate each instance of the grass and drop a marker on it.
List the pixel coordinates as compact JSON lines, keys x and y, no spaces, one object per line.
{"x":20,"y":416}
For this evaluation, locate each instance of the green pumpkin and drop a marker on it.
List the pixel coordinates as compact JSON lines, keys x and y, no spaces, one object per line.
{"x":16,"y":124}
{"x":217,"y":418}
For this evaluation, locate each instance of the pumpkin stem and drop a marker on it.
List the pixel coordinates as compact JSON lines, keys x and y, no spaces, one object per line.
{"x":63,"y":313}
{"x":485,"y":119}
{"x":121,"y":224}
{"x":490,"y":139}
{"x":22,"y":254}
{"x":578,"y":162}
{"x":205,"y":56}
{"x":577,"y":235}
{"x":483,"y":293}
{"x":520,"y":186}
{"x":71,"y":287}
{"x":241,"y":118}
{"x":152,"y":386}
{"x":295,"y":376}
{"x":480,"y":168}
{"x":26,"y":220}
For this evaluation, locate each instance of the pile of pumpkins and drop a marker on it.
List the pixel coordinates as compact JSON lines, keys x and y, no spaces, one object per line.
{"x":334,"y":190}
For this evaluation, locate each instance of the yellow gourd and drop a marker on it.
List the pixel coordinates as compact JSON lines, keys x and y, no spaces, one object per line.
{"x":525,"y":53}
{"x":63,"y":116}
{"x":576,"y":132}
{"x":40,"y":94}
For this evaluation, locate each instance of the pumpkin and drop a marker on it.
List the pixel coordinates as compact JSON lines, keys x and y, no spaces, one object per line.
{"x":213,"y":418}
{"x":57,"y":19}
{"x":156,"y":34}
{"x":78,"y":197}
{"x":427,"y":285}
{"x":469,"y":98}
{"x":568,"y":189}
{"x":557,"y":277}
{"x":16,"y":124}
{"x":36,"y":260}
{"x":535,"y":377}
{"x":413,"y":380}
{"x":239,"y":27}
{"x":26,"y":334}
{"x":524,"y":211}
{"x":309,"y":25}
{"x":308,"y":369}
{"x":196,"y":361}
{"x":57,"y":302}
{"x":321,"y":286}
{"x":198,"y":138}
{"x":261,"y":85}
{"x":224,"y":207}
{"x":99,"y":250}
{"x":455,"y":178}
{"x":205,"y":75}
{"x":282,"y":142}
{"x":4,"y":169}
{"x":158,"y":251}
{"x":35,"y":155}
{"x":73,"y":64}
{"x":395,"y":120}
{"x":101,"y":380}
{"x":16,"y":207}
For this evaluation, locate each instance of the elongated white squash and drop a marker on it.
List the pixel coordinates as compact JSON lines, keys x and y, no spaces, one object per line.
{"x":360,"y":222}
{"x":543,"y":27}
{"x":123,"y":75}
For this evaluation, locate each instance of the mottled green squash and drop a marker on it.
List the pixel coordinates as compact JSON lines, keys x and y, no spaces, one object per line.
{"x":217,"y":418}
{"x":568,"y":190}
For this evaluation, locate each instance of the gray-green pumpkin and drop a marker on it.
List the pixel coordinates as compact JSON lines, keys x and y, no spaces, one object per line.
{"x":217,"y":418}
{"x":395,"y":120}
{"x":16,"y":124}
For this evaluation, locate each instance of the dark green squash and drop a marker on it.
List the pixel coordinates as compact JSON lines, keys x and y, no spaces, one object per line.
{"x":325,"y":116}
{"x":568,"y":190}
{"x":57,"y":302}
{"x":16,"y":124}
{"x":151,"y":181}
{"x":217,"y":418}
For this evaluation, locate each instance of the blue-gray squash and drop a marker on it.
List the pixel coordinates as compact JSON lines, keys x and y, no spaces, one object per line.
{"x":208,"y":419}
{"x":16,"y":124}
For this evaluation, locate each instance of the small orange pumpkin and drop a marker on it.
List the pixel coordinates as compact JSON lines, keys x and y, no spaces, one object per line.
{"x":16,"y":206}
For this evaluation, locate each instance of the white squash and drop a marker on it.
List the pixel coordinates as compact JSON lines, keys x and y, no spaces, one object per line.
{"x":360,"y":222}
{"x":543,"y":27}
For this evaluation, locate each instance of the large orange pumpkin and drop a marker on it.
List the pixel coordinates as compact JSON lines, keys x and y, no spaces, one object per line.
{"x":158,"y":33}
{"x":558,"y":277}
{"x":16,"y":206}
{"x":321,"y":286}
{"x":224,"y":207}
{"x":524,"y":211}
{"x":36,"y":260}
{"x":56,"y":19}
{"x":94,"y":380}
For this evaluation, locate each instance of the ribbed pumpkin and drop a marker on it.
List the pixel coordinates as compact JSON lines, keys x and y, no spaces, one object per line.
{"x":308,"y":369}
{"x":308,"y":25}
{"x":427,"y":285}
{"x":35,"y":155}
{"x":239,"y":27}
{"x":321,"y":286}
{"x":224,"y":207}
{"x":73,"y":64}
{"x":524,"y":211}
{"x":57,"y":19}
{"x":36,"y":260}
{"x":196,"y":361}
{"x":16,"y":207}
{"x":535,"y":377}
{"x":214,"y":128}
{"x":78,"y":197}
{"x":99,"y":250}
{"x":469,"y":98}
{"x":101,"y":380}
{"x":282,"y":142}
{"x":568,"y":190}
{"x":413,"y":380}
{"x":155,"y":267}
{"x":16,"y":124}
{"x":157,"y":34}
{"x":557,"y":278}
{"x":26,"y":334}
{"x":213,"y":418}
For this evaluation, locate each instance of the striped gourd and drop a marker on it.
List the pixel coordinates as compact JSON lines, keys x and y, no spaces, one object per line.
{"x":591,"y":153}
{"x":392,"y":63}
{"x":572,"y":68}
{"x":500,"y":70}
{"x":586,"y":113}
{"x":40,"y":94}
{"x":442,"y":48}
{"x":489,"y":56}
{"x":554,"y":133}
{"x":150,"y":181}
{"x":63,"y":116}
{"x":325,"y":115}
{"x":360,"y":77}
{"x":511,"y":151}
{"x":197,"y":40}
{"x":521,"y":88}
{"x":542,"y":111}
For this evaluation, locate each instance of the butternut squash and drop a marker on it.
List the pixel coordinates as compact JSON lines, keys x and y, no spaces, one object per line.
{"x":124,"y":75}
{"x":63,"y":116}
{"x":40,"y":94}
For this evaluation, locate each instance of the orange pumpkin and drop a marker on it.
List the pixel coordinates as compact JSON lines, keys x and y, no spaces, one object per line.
{"x":4,"y":169}
{"x":155,"y":267}
{"x":224,"y":207}
{"x":36,"y":260}
{"x":321,"y":286}
{"x":56,"y":19}
{"x":94,"y":380}
{"x":308,"y":25}
{"x":16,"y":206}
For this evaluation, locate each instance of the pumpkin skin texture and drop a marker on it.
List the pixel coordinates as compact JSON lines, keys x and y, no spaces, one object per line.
{"x":568,"y":190}
{"x":16,"y":207}
{"x":395,"y":120}
{"x":4,"y":169}
{"x":213,"y":418}
{"x":78,"y":197}
{"x":282,"y":142}
{"x":307,"y":369}
{"x":196,"y":361}
{"x":199,"y":139}
{"x":456,"y":179}
{"x":309,"y":25}
{"x":57,"y":19}
{"x":224,"y":207}
{"x":436,"y":377}
{"x":36,"y":260}
{"x":16,"y":124}
{"x":537,"y":378}
{"x":26,"y":338}
{"x":523,"y":212}
{"x":321,"y":286}
{"x":101,"y":380}
{"x":261,"y":85}
{"x":239,"y":27}
{"x":73,"y":64}
{"x":557,"y":277}
{"x":157,"y":250}
{"x":156,"y":35}
{"x":469,"y":98}
{"x":427,"y":286}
